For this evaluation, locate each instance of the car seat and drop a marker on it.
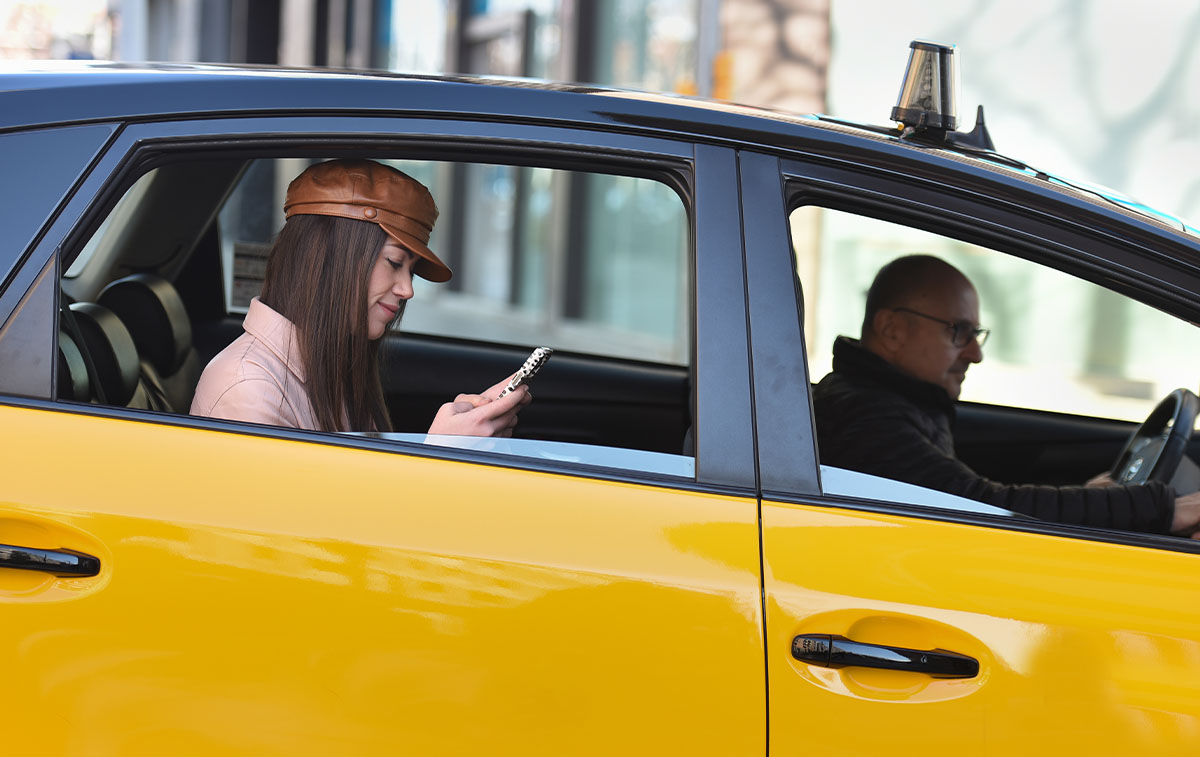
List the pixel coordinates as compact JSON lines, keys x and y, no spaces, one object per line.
{"x":113,"y":355}
{"x":73,"y":381}
{"x":154,"y":315}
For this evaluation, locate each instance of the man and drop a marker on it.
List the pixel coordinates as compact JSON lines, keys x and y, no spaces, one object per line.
{"x":888,"y":407}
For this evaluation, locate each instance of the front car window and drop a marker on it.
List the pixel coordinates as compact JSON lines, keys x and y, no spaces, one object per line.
{"x":1057,"y":343}
{"x":1044,"y":404}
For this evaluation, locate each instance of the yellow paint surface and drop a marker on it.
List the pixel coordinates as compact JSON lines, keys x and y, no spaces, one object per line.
{"x":261,"y":596}
{"x":1084,"y":647}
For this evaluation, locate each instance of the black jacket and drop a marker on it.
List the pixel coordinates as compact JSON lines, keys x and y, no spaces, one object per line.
{"x":874,"y":419}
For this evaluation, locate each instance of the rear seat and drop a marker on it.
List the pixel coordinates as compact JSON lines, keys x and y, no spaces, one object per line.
{"x":114,"y":356}
{"x":73,"y":381}
{"x":154,"y":315}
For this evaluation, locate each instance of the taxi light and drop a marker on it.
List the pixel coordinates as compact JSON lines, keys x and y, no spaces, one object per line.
{"x":929,"y":94}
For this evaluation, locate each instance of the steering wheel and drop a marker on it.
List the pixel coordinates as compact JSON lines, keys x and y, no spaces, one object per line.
{"x":1155,"y":449}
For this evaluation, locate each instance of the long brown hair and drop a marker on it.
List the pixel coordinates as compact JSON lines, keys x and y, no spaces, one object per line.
{"x":316,"y":277}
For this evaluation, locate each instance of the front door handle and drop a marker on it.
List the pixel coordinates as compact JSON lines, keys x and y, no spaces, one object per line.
{"x":831,"y":651}
{"x":60,"y":562}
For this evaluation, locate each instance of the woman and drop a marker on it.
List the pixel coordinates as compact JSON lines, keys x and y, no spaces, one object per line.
{"x":337,"y":276}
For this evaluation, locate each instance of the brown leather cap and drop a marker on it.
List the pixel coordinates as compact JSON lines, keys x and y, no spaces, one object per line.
{"x":368,"y":191}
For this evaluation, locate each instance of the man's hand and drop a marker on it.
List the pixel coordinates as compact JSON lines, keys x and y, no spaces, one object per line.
{"x":1187,"y":516}
{"x":1187,"y":509}
{"x":482,"y":414}
{"x":1100,"y":481}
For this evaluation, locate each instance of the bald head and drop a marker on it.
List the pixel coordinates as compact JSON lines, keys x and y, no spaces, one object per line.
{"x":907,"y":280}
{"x":911,"y":306}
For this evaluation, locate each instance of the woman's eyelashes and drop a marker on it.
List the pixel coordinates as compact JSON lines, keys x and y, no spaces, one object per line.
{"x":399,"y":258}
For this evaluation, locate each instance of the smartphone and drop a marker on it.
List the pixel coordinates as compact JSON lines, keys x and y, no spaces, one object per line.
{"x":532,"y":365}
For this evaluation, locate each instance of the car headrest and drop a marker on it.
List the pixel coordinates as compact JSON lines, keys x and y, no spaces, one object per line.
{"x":153,"y":311}
{"x":72,"y":370}
{"x":112,"y":350}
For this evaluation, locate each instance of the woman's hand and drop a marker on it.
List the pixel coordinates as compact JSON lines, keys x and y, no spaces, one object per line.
{"x":481,"y":414}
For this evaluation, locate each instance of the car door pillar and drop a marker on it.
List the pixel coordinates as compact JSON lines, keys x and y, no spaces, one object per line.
{"x":724,"y":440}
{"x":787,"y":455}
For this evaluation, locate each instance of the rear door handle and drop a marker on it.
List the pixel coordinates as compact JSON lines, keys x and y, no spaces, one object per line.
{"x":60,"y":562}
{"x":831,"y":651}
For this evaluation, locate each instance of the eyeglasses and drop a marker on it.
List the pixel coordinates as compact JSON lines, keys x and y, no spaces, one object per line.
{"x":961,"y":332}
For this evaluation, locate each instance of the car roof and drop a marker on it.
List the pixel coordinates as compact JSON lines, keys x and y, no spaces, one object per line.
{"x":76,"y":91}
{"x":45,"y":93}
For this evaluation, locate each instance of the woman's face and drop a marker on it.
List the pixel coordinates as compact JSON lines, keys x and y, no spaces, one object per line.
{"x":390,"y":284}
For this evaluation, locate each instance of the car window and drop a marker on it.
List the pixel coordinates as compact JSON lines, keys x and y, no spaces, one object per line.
{"x":593,"y":265}
{"x":1056,"y":342}
{"x":106,"y":234}
{"x":578,"y":261}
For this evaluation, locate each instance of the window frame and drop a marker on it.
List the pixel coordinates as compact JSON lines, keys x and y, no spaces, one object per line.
{"x":724,"y":441}
{"x":1007,"y":216}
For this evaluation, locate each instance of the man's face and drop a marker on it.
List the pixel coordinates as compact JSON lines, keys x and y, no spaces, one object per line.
{"x":926,"y":349}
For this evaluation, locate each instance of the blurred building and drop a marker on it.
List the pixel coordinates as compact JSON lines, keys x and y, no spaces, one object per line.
{"x":45,"y":30}
{"x":763,"y":52}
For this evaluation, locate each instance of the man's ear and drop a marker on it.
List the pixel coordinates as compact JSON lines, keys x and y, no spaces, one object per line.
{"x":890,"y":330}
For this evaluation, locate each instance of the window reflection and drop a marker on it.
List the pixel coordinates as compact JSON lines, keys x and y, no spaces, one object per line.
{"x":584,"y":262}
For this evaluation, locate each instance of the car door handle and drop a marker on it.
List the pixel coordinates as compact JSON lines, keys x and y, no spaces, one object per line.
{"x":60,"y":562}
{"x":833,"y":651}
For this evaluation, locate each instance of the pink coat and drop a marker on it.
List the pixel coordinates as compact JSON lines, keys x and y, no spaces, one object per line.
{"x":258,"y":378}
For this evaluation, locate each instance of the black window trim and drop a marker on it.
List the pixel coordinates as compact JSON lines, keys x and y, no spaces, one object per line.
{"x":787,"y":455}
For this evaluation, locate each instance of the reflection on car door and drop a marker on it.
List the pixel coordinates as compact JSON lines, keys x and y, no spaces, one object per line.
{"x":1083,"y":646}
{"x":271,"y":595}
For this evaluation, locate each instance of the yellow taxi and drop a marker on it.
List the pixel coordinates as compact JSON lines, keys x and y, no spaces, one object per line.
{"x":657,"y":562}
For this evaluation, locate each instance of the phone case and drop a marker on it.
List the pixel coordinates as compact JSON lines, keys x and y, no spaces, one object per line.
{"x":532,"y":365}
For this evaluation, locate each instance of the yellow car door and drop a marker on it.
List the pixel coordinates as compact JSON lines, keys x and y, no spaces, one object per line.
{"x":181,"y":585}
{"x":1079,"y":646}
{"x":904,"y":621}
{"x":301,"y":597}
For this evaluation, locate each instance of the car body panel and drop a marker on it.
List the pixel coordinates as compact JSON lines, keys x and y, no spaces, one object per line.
{"x":303,"y":596}
{"x":40,"y":166}
{"x":1082,"y":646}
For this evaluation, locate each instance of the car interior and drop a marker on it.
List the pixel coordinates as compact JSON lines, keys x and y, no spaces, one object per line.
{"x":156,"y":292}
{"x":1071,"y":368}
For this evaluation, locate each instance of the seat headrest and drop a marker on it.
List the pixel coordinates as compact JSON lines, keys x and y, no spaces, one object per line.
{"x":154,"y":313}
{"x":72,"y":370}
{"x":112,"y":350}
